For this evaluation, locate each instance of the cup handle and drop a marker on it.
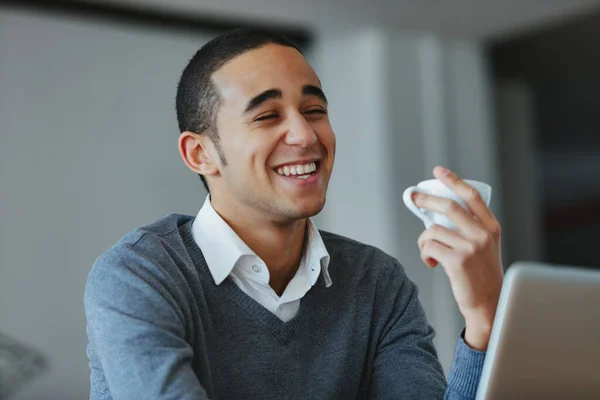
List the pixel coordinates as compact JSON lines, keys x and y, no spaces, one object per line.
{"x":410,"y":204}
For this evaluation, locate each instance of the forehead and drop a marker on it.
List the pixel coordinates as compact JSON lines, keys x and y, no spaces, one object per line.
{"x":269,"y":67}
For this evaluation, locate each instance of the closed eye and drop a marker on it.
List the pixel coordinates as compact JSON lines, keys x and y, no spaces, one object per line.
{"x":266,"y":117}
{"x":316,"y":111}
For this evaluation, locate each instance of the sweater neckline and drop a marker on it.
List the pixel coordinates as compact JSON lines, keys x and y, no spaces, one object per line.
{"x":249,"y":307}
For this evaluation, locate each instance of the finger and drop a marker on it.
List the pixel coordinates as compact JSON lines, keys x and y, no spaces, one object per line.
{"x":465,"y":192}
{"x":436,"y":251}
{"x":449,"y":238}
{"x":457,"y":214}
{"x":429,"y":261}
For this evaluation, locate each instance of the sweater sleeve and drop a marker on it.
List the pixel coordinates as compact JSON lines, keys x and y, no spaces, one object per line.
{"x":465,"y":372}
{"x":136,"y":335}
{"x":406,"y":364}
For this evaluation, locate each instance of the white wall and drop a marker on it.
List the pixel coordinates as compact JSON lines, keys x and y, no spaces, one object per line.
{"x":88,"y":152}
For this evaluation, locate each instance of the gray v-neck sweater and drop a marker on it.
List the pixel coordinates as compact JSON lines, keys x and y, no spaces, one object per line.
{"x":159,"y":328}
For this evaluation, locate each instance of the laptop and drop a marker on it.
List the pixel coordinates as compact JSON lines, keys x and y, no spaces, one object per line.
{"x":545,"y":342}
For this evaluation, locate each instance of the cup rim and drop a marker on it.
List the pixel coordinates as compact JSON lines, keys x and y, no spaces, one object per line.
{"x":471,"y":182}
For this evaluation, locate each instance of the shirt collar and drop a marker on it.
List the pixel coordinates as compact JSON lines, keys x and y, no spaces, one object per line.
{"x":316,"y":255}
{"x":222,"y":247}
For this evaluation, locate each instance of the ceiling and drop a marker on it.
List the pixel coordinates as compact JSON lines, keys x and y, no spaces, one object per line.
{"x":479,"y":19}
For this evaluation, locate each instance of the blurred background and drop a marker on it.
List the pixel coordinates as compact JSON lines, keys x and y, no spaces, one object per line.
{"x":506,"y":92}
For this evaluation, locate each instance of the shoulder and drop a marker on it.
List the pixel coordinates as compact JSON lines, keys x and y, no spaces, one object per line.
{"x":361,"y":259}
{"x":149,"y":240}
{"x":145,"y":256}
{"x":162,"y":230}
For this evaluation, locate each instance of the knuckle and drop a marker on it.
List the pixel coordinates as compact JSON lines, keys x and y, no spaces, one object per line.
{"x":480,"y":243}
{"x":473,"y":194}
{"x":452,"y":206}
{"x":486,"y":239}
{"x":496,"y":230}
{"x":471,"y":249}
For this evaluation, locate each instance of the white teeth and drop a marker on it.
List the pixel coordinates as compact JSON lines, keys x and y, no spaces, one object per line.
{"x":302,"y":170}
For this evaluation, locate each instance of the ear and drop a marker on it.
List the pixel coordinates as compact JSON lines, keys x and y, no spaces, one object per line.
{"x":196,"y":151}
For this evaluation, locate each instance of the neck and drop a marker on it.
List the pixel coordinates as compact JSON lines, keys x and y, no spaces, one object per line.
{"x":279,"y":245}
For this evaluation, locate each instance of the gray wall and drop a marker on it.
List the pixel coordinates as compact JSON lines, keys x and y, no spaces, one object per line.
{"x":88,"y":151}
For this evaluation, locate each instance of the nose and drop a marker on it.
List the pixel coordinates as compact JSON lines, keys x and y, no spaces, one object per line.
{"x":300,"y":132}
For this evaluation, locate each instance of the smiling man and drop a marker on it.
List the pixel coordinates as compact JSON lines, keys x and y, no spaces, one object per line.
{"x":248,"y":300}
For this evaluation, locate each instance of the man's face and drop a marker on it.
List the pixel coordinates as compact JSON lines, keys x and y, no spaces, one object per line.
{"x":275,"y":134}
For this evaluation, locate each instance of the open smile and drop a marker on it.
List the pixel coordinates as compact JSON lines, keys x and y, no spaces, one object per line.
{"x":300,"y":173}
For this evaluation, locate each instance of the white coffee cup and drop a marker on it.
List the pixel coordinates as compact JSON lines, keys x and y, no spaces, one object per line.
{"x":437,"y":188}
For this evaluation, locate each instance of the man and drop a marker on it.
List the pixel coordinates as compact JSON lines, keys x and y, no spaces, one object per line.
{"x":248,"y":300}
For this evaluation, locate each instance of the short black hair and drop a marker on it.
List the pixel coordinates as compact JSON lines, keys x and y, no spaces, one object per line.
{"x":197,"y":99}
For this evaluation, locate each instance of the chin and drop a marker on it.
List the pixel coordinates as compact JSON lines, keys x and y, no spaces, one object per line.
{"x":308,"y":208}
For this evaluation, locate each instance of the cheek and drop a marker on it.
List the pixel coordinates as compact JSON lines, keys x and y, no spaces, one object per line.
{"x":327,"y":138}
{"x":254,"y":153}
{"x":333,"y":142}
{"x":331,"y":147}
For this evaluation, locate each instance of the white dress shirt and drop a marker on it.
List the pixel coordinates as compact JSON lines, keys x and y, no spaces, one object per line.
{"x":228,"y":256}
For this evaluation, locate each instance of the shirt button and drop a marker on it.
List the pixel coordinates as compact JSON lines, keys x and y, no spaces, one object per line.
{"x":256,"y":268}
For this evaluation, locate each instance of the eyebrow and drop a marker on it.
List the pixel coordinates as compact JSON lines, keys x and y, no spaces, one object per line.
{"x":307,"y":90}
{"x":261,"y":98}
{"x":310,"y":90}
